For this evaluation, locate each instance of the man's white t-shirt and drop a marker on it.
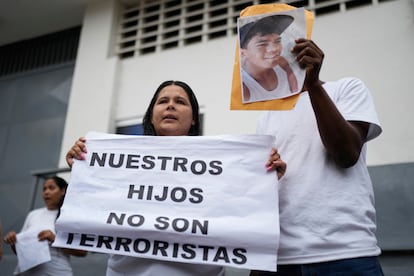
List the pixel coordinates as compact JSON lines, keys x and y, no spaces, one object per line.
{"x":326,"y":212}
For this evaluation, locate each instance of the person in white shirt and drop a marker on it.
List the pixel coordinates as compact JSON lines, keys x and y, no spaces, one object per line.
{"x":43,"y":220}
{"x":326,"y":200}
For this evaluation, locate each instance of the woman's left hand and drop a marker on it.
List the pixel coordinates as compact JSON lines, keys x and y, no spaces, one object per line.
{"x":46,"y":235}
{"x":275,"y":163}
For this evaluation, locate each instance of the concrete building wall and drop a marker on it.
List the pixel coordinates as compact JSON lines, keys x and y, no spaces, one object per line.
{"x":373,"y":43}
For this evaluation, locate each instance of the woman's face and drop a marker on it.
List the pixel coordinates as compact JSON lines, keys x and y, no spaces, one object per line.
{"x":172,"y":114}
{"x":52,"y":194}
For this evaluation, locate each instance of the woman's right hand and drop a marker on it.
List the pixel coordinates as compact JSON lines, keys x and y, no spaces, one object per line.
{"x":275,"y":163}
{"x":10,"y":238}
{"x":77,"y":151}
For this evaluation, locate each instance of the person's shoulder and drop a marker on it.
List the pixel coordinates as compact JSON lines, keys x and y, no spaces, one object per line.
{"x":345,"y":85}
{"x":345,"y":81}
{"x":38,"y":211}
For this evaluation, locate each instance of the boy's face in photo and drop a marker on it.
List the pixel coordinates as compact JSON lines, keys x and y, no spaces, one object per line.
{"x":262,"y":51}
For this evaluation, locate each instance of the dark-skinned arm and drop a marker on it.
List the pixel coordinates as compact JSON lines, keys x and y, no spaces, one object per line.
{"x":342,"y":139}
{"x":75,"y":252}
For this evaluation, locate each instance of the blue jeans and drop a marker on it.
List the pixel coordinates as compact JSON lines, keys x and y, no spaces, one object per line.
{"x":364,"y":266}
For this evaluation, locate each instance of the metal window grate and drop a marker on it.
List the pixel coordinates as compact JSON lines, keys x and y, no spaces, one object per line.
{"x":151,"y":26}
{"x":43,"y":51}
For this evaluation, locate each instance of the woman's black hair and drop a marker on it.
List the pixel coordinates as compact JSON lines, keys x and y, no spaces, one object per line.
{"x":194,"y":130}
{"x":63,"y":185}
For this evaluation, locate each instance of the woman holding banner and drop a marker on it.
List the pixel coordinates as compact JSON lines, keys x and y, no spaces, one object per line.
{"x":173,"y":111}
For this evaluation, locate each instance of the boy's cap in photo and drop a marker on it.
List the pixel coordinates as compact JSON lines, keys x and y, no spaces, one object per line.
{"x":267,"y":25}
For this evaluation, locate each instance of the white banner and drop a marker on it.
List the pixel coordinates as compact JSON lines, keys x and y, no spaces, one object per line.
{"x":192,"y":199}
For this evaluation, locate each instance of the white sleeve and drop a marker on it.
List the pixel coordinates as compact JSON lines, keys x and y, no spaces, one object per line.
{"x":355,"y":103}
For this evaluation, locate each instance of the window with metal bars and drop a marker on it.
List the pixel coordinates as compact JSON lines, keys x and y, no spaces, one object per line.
{"x":152,"y":26}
